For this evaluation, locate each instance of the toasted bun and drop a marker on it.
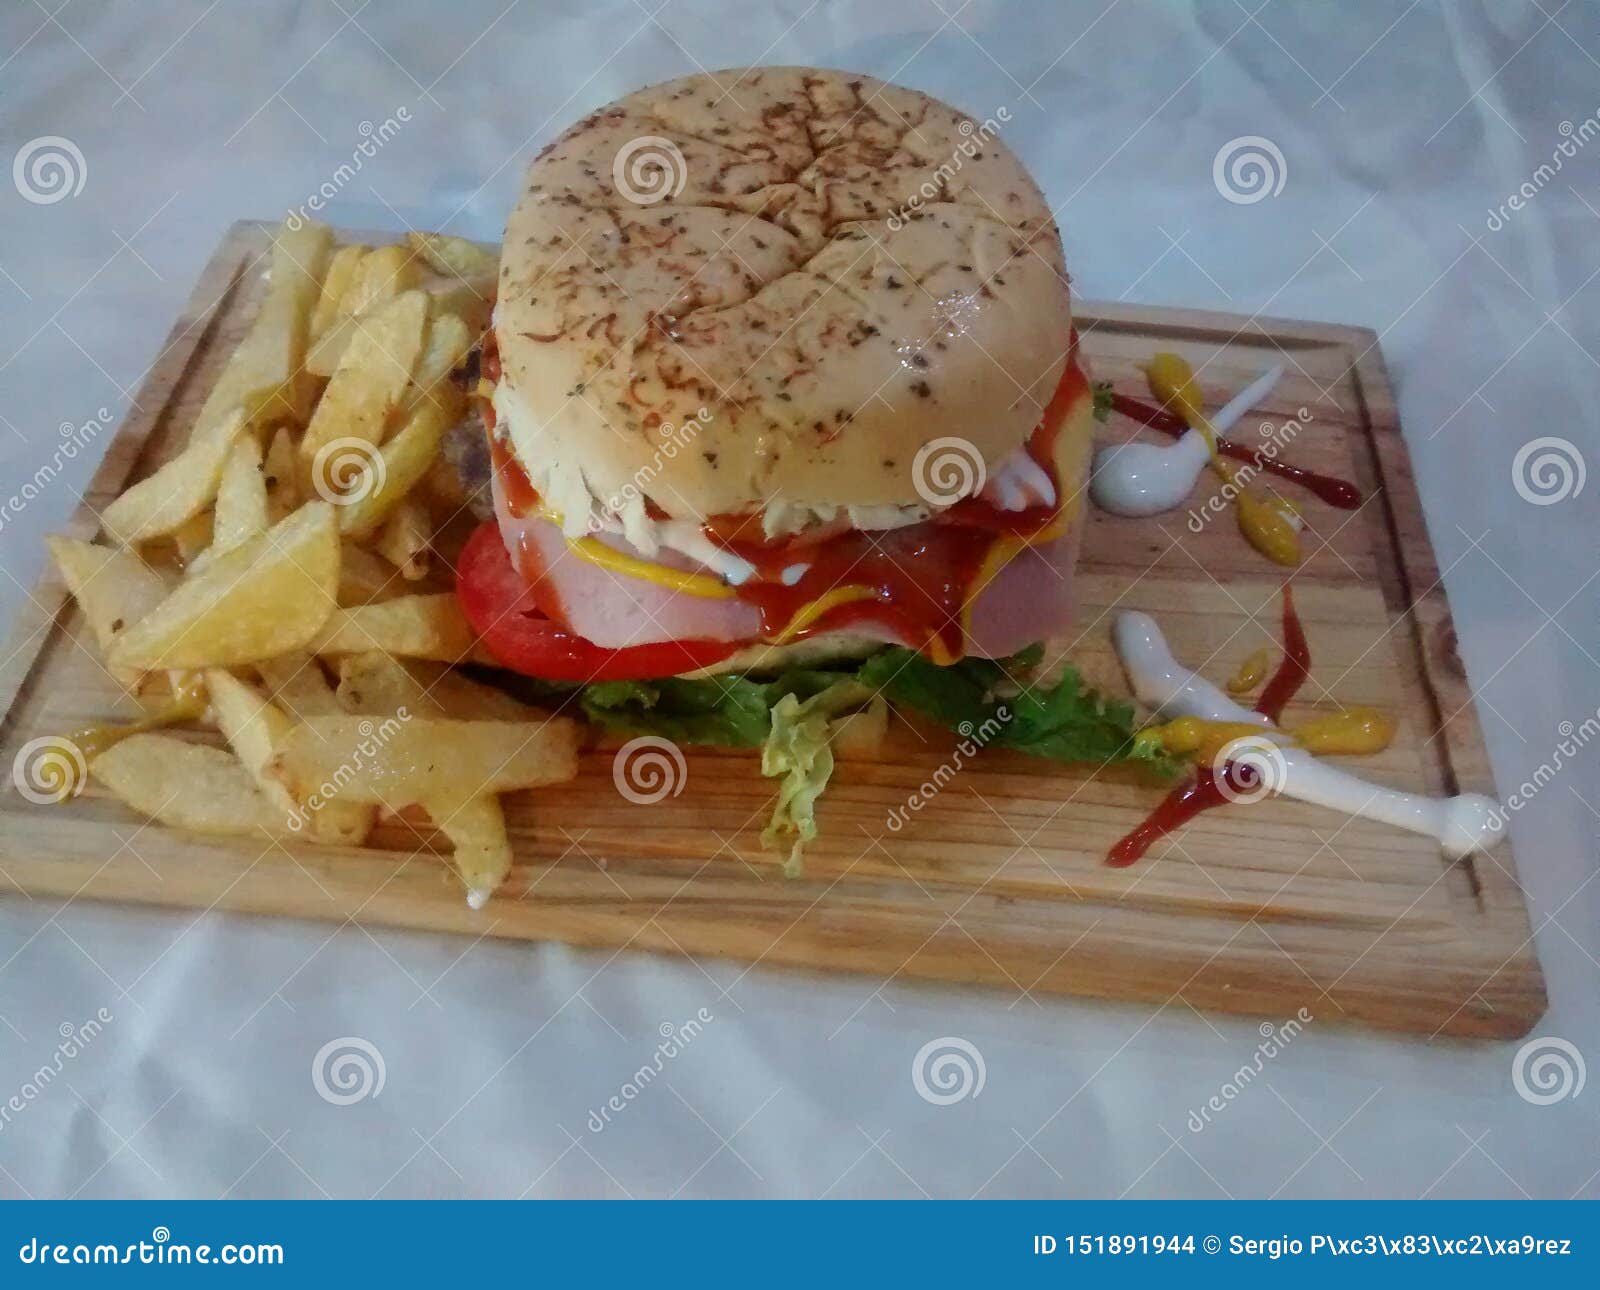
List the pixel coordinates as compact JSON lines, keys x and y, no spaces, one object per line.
{"x":770,"y":286}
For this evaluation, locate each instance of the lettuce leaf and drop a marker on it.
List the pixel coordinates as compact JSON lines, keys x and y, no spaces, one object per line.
{"x":792,"y":717}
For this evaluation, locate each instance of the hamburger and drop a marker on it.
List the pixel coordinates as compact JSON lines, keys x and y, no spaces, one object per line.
{"x":787,"y":422}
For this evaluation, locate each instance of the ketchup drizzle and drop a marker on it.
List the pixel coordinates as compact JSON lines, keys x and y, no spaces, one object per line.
{"x":1335,"y":492}
{"x":1204,"y":791}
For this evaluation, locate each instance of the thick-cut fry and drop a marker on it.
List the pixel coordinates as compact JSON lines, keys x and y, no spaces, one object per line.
{"x":241,"y":509}
{"x":296,"y":683}
{"x":449,"y":342}
{"x":252,"y":727}
{"x":366,"y":577}
{"x":383,"y":274}
{"x":336,"y":284}
{"x":113,"y":587}
{"x":372,"y":376}
{"x":189,"y":786}
{"x":455,"y":256}
{"x":477,"y":828}
{"x":279,"y":474}
{"x":374,"y":684}
{"x":264,"y":375}
{"x":404,"y":539}
{"x":405,"y":760}
{"x":431,"y":627}
{"x":270,"y":594}
{"x":161,"y":503}
{"x":405,"y":459}
{"x":471,"y":300}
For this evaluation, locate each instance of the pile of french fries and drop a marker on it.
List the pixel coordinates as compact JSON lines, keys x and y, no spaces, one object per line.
{"x":273,"y":581}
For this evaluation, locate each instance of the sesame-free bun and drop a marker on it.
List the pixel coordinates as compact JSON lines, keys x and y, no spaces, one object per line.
{"x":773,"y":285}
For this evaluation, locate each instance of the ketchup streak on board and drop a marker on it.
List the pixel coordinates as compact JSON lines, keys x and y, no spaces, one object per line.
{"x":1335,"y":492}
{"x":1204,"y":791}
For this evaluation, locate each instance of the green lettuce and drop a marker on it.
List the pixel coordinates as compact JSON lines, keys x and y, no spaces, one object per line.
{"x":792,"y":718}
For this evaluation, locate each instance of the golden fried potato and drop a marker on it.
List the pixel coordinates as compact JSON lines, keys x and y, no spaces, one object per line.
{"x":426,"y":626}
{"x":382,"y":275}
{"x":456,"y":256}
{"x":367,"y":387}
{"x":113,"y":587}
{"x":264,"y":375}
{"x":187,"y":785}
{"x":477,"y":829}
{"x":163,"y":502}
{"x":407,"y":760}
{"x":271,"y":593}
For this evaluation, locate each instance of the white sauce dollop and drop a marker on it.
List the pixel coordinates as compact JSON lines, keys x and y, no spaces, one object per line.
{"x":1461,"y":824}
{"x":1139,"y":478}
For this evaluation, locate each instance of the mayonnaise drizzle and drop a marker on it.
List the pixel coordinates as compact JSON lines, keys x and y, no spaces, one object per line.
{"x":1461,"y":824}
{"x":1139,"y":478}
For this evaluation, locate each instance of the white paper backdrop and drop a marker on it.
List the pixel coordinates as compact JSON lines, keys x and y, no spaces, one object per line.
{"x":1402,"y":129}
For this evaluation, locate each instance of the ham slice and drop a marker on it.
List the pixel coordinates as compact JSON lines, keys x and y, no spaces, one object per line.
{"x":1027,"y":601}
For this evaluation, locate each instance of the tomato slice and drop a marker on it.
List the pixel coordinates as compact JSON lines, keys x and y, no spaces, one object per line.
{"x":500,"y":605}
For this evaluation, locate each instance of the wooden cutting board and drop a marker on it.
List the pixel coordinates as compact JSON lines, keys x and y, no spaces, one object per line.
{"x":999,"y":879}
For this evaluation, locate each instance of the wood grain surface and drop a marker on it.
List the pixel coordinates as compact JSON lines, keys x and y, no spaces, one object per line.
{"x":999,"y":878}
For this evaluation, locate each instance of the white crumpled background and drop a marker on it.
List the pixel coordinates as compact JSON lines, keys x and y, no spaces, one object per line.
{"x":1402,"y":128}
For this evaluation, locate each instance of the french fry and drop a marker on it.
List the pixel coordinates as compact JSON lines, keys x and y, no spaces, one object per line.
{"x":449,"y":342}
{"x":241,"y":508}
{"x":366,"y":577}
{"x":374,"y":684}
{"x":278,"y":472}
{"x":382,"y":274}
{"x":372,"y":376}
{"x":426,"y":626}
{"x":405,"y":458}
{"x":469,"y":299}
{"x":296,"y":683}
{"x":191,"y":539}
{"x":336,"y":284}
{"x":455,"y":256}
{"x":399,"y":761}
{"x":161,"y":503}
{"x":273,"y":592}
{"x":263,"y":377}
{"x":253,"y":727}
{"x":187,"y":785}
{"x":113,"y":587}
{"x":404,"y":539}
{"x":477,"y":829}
